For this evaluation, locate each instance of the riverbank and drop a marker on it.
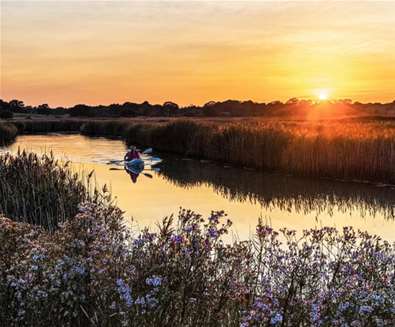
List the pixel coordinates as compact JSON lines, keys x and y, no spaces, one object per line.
{"x":350,"y":150}
{"x":90,"y":270}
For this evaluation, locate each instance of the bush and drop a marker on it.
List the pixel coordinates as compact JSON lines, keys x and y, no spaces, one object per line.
{"x":8,"y":133}
{"x":92,"y":271}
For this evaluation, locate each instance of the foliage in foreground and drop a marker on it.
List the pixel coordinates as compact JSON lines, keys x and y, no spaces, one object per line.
{"x":40,"y":190}
{"x":92,"y":271}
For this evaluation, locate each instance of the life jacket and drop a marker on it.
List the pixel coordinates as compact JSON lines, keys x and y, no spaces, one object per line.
{"x":132,"y":155}
{"x":135,"y":154}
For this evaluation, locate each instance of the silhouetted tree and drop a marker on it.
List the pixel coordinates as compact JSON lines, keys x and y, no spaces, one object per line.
{"x":16,"y":105}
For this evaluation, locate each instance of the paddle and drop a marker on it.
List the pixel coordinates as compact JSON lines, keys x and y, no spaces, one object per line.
{"x":148,"y":151}
{"x":111,"y":162}
{"x":153,"y":169}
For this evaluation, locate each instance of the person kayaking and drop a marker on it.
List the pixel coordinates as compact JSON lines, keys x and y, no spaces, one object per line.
{"x":132,"y":154}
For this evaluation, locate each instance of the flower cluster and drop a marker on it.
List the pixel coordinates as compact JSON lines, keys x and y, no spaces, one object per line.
{"x":94,"y":271}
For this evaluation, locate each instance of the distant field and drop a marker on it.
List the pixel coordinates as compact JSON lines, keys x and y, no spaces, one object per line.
{"x":387,"y":119}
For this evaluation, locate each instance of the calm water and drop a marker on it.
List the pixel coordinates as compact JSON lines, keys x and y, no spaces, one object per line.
{"x":282,"y":201}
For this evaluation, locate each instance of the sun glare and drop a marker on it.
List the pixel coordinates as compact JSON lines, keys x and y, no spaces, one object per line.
{"x":323,"y":95}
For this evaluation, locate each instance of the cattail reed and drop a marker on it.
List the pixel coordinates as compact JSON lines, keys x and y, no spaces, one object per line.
{"x":41,"y":190}
{"x":340,"y":150}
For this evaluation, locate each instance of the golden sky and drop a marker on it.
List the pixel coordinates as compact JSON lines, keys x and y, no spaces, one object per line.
{"x":64,"y":53}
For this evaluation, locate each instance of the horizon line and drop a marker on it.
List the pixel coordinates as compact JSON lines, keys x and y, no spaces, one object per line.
{"x":309,"y":99}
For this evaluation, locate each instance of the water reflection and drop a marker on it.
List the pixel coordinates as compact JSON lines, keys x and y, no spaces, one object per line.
{"x":271,"y":191}
{"x":284,"y":201}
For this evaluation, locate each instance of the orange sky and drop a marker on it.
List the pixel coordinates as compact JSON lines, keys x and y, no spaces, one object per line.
{"x":69,"y":52}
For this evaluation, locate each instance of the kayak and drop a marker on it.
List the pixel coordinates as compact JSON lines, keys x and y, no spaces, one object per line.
{"x":135,"y":166}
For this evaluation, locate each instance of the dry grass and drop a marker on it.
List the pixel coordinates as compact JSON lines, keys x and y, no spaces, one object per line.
{"x":346,"y":150}
{"x":41,"y":190}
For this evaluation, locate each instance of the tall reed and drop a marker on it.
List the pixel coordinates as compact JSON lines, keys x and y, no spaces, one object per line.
{"x":48,"y":126}
{"x":340,"y":150}
{"x":40,"y":190}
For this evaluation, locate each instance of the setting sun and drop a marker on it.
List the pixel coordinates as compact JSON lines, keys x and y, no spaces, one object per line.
{"x":323,"y":95}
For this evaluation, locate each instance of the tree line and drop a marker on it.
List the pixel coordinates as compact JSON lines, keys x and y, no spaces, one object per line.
{"x":228,"y":108}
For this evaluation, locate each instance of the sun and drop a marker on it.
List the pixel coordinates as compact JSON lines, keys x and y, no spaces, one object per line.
{"x":323,"y":94}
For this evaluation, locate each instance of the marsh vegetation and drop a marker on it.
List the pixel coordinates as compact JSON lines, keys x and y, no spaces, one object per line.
{"x":362,"y":150}
{"x":92,"y":270}
{"x":41,"y":190}
{"x":345,"y":150}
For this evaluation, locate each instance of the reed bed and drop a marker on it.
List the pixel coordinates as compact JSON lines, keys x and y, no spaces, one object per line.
{"x":41,"y":190}
{"x":8,"y":133}
{"x":48,"y":126}
{"x":363,"y":151}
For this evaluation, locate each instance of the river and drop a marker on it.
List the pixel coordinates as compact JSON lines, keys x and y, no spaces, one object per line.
{"x":281,"y":201}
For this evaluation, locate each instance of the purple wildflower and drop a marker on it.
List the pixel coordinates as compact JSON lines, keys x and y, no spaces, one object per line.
{"x":79,"y":269}
{"x":176,"y":239}
{"x":139,"y":242}
{"x":365,"y":309}
{"x":315,"y":313}
{"x":344,"y":306}
{"x":213,"y":232}
{"x":124,"y":292}
{"x":276,"y":319}
{"x":140,"y":300}
{"x":154,"y":281}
